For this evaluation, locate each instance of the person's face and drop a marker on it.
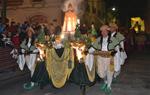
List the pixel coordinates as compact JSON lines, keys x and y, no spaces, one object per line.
{"x":84,"y":25}
{"x":29,"y":33}
{"x":104,"y":32}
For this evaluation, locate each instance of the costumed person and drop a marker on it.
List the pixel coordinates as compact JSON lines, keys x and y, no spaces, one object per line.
{"x":70,"y":21}
{"x":40,"y":75}
{"x":59,"y":62}
{"x":104,"y":50}
{"x":79,"y":75}
{"x":84,"y":29}
{"x":77,"y":34}
{"x":41,"y":35}
{"x":28,"y":54}
{"x":89,"y":61}
{"x":92,"y":31}
{"x":121,"y":54}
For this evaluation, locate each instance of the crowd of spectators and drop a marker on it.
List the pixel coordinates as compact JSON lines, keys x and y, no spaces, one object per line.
{"x":14,"y":33}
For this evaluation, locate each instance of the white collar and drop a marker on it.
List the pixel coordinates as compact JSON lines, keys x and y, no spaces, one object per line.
{"x":105,"y":38}
{"x":113,"y":33}
{"x":58,"y":46}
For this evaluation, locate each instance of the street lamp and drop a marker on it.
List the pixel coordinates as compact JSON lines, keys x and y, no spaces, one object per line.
{"x":114,"y":12}
{"x":113,"y":9}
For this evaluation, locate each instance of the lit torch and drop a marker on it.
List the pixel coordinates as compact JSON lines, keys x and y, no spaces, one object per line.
{"x":79,"y":47}
{"x":41,"y":51}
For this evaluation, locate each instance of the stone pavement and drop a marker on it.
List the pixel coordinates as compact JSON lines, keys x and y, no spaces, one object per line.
{"x":134,"y":80}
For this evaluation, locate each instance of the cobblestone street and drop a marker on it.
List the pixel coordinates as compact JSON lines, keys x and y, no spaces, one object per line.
{"x":134,"y":80}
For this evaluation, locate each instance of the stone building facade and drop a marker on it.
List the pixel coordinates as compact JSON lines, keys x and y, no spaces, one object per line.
{"x":43,"y":11}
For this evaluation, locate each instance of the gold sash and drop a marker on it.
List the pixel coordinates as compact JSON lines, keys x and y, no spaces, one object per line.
{"x":106,"y":54}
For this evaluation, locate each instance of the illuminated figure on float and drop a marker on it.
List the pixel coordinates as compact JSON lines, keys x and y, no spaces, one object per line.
{"x":70,"y":21}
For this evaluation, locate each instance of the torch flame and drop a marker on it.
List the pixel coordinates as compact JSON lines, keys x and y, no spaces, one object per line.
{"x":41,"y":50}
{"x":79,"y":47}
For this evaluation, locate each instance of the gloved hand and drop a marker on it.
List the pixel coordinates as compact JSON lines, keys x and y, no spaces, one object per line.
{"x":113,"y":53}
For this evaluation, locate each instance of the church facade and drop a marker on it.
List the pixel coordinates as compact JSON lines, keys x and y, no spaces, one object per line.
{"x":42,"y":11}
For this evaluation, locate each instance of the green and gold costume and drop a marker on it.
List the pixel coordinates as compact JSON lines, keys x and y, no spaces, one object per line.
{"x":58,"y":67}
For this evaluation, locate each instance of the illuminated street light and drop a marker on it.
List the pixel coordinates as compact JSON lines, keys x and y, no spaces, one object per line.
{"x":113,"y":9}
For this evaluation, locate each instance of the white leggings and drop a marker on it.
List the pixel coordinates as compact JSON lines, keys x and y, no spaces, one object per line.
{"x":103,"y":70}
